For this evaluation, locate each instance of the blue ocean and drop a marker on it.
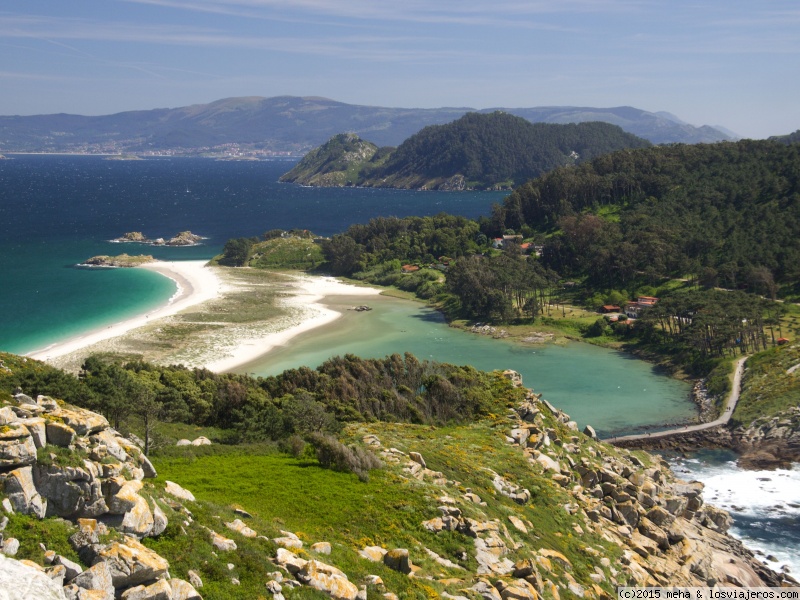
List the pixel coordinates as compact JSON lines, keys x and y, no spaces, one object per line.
{"x":56,"y":211}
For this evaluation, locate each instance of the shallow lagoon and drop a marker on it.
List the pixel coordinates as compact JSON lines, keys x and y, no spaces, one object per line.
{"x":610,"y":390}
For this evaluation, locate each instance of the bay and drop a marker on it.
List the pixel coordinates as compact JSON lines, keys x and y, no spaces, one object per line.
{"x":609,"y":390}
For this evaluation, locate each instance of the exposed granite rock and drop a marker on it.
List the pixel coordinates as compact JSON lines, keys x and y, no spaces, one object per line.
{"x":22,"y":582}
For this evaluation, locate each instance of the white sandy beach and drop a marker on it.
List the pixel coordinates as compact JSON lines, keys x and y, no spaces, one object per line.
{"x":199,"y":284}
{"x":196,"y":284}
{"x":307,"y":294}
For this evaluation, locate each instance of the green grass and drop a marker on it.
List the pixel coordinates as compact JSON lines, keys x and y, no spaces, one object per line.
{"x":30,"y":531}
{"x":296,"y":494}
{"x":287,"y":253}
{"x":767,"y":389}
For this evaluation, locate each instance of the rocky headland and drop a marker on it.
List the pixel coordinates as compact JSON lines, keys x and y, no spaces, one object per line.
{"x":626,"y":518}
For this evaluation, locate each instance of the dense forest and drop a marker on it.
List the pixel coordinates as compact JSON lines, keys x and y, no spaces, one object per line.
{"x":725,"y":213}
{"x":497,"y":149}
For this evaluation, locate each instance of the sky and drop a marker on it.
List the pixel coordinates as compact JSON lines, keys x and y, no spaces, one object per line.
{"x":730,"y":63}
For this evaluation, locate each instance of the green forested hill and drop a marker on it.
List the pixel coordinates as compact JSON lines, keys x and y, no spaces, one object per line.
{"x":478,"y":151}
{"x":495,"y":150}
{"x":727,"y":212}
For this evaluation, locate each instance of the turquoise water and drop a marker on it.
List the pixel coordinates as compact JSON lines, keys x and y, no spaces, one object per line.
{"x":56,"y":211}
{"x":609,"y":390}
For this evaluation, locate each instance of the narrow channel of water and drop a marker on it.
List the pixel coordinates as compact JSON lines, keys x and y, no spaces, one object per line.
{"x":613,"y":392}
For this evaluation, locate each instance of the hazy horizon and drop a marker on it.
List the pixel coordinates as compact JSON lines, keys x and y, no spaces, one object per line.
{"x":732,"y":64}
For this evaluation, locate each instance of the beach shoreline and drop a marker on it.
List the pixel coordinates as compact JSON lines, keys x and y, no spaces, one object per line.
{"x":194,"y":282}
{"x":197,"y":285}
{"x":310,"y":292}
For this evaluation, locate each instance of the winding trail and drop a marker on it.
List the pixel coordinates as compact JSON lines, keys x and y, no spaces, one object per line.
{"x":730,"y":406}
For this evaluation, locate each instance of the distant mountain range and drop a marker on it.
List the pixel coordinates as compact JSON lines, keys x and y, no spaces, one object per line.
{"x":289,"y":124}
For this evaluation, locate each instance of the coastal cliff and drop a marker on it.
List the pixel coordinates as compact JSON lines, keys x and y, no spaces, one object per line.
{"x":528,"y":507}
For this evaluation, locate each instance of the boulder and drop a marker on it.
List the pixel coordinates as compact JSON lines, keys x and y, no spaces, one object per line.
{"x":321,"y":548}
{"x":328,"y":579}
{"x":71,"y":569}
{"x":111,"y":442}
{"x":183,"y":442}
{"x":160,"y":521}
{"x":82,"y":421}
{"x":160,"y":590}
{"x":183,"y":590}
{"x":70,"y":491}
{"x":222,"y":543}
{"x":175,"y":490}
{"x":373,"y":553}
{"x":417,"y":458}
{"x":10,"y":546}
{"x":290,"y":561}
{"x":238,"y":526}
{"x":22,"y":493}
{"x":7,"y":415}
{"x":201,"y":441}
{"x":194,"y":579}
{"x":130,"y":563}
{"x":97,"y":578}
{"x":59,"y":434}
{"x":398,"y":560}
{"x":589,"y":431}
{"x":22,"y":582}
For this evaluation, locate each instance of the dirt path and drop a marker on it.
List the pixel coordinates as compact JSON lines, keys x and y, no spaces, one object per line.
{"x":730,"y":406}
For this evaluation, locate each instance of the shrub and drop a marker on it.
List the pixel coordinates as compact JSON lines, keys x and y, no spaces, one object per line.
{"x":332,"y":454}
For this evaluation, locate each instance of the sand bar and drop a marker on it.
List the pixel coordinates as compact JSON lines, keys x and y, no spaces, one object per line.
{"x":196,"y":284}
{"x":306,"y":294}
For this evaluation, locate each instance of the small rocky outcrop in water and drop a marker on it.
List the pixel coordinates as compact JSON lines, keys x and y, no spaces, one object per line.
{"x":132,"y":236}
{"x":184,"y":238}
{"x":121,"y":260}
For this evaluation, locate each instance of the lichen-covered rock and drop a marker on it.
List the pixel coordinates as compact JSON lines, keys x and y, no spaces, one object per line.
{"x":84,"y":422}
{"x":321,"y":548}
{"x":21,"y":582}
{"x":36,"y":426}
{"x":222,"y":543}
{"x":373,"y":553}
{"x":289,"y":561}
{"x":183,"y":590}
{"x":238,"y":526}
{"x":97,"y":579}
{"x":130,"y":563}
{"x":160,"y":590}
{"x":21,"y":491}
{"x":328,"y":579}
{"x":59,"y":434}
{"x":174,"y":489}
{"x":16,"y":446}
